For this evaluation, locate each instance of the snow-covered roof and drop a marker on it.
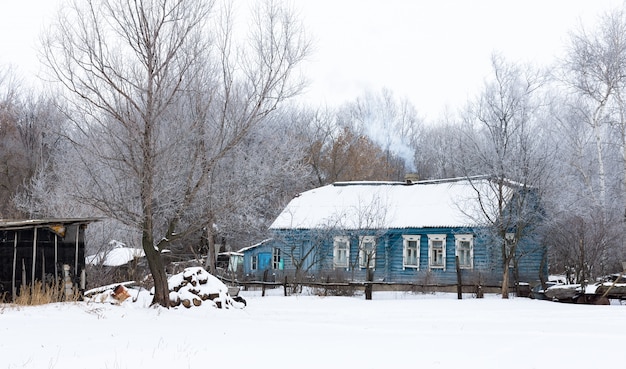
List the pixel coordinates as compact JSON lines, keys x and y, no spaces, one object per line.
{"x":118,"y":255}
{"x":374,"y":205}
{"x":12,"y":224}
{"x":242,"y":250}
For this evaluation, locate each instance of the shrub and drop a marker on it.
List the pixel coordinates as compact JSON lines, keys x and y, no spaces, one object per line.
{"x":40,"y":294}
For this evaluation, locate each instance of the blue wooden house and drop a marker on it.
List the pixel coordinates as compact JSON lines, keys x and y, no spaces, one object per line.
{"x":405,"y":232}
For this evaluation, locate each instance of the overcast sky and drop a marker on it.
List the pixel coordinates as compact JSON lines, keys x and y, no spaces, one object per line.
{"x":435,"y":53}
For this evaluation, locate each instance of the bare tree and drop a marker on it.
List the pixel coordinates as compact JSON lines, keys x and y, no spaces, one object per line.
{"x":305,"y":255}
{"x":437,"y":152}
{"x":160,"y":95}
{"x":503,"y":141}
{"x":595,"y":69}
{"x":593,"y":126}
{"x":365,"y":222}
{"x":27,"y":140}
{"x":393,"y":124}
{"x":12,"y":153}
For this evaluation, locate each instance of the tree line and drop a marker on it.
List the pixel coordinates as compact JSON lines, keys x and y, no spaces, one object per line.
{"x":181,"y":129}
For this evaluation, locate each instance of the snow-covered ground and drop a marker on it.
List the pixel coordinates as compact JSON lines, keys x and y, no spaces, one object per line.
{"x":393,"y":330}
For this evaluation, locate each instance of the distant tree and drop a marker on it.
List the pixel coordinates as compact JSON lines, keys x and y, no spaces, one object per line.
{"x":160,"y":95}
{"x":437,"y":152}
{"x":393,"y":124}
{"x":592,"y":128}
{"x":580,"y":244}
{"x":345,"y":155}
{"x":318,"y":136}
{"x":27,"y":141}
{"x":12,"y":152}
{"x":595,"y":70}
{"x":583,"y":234}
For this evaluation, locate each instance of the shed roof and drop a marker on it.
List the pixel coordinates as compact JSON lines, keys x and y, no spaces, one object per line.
{"x":375,"y":205}
{"x":12,"y":224}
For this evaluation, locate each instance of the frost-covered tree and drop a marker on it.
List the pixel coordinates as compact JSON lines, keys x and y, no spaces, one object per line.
{"x":393,"y":124}
{"x":339,"y":150}
{"x":160,"y":92}
{"x":589,"y":198}
{"x":28,"y":122}
{"x":503,"y":140}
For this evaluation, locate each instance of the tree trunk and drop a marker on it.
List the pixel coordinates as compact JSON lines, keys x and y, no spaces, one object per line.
{"x":505,"y":280}
{"x":157,"y":269}
{"x":211,"y":254}
{"x":368,"y":284}
{"x":601,"y":170}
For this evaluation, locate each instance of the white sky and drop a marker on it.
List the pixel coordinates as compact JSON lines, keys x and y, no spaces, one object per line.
{"x":436,"y":53}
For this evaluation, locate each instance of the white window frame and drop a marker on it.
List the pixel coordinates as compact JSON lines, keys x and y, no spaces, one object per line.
{"x":339,"y":240}
{"x":432,"y":238}
{"x":459,"y":239}
{"x":363,"y":240}
{"x":405,"y":251}
{"x":276,"y":258}
{"x":254,"y":262}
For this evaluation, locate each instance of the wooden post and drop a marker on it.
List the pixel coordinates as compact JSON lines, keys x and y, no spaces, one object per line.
{"x":459,"y":282}
{"x":43,"y":268}
{"x":263,"y":285}
{"x":32,"y":279}
{"x":326,"y":285}
{"x":13,"y":287}
{"x":76,"y":251}
{"x":67,"y":282}
{"x":368,"y":285}
{"x":285,"y":286}
{"x":23,"y":274}
{"x":56,"y":257}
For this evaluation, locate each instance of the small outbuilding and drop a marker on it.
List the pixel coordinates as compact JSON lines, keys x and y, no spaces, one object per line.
{"x":43,"y":250}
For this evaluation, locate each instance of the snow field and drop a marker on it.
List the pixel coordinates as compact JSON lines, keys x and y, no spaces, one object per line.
{"x":392,"y":330}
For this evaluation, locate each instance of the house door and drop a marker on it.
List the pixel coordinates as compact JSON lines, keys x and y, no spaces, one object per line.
{"x":265,"y":258}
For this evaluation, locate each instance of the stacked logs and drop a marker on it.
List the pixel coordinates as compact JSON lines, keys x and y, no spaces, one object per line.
{"x":195,"y":286}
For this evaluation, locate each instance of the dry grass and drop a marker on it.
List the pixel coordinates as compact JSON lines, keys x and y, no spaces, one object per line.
{"x":40,"y":294}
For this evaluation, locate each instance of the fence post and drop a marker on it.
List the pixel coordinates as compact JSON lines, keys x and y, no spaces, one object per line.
{"x":285,"y":286}
{"x":459,"y":282}
{"x":263,"y":285}
{"x":368,"y":284}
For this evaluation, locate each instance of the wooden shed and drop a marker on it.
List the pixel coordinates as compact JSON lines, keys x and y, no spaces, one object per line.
{"x":44,"y":250}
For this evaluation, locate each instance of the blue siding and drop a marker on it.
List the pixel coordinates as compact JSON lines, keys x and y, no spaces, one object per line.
{"x":487,"y":260}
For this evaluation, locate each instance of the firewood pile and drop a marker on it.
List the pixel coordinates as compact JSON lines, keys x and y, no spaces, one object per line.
{"x":113,"y":294}
{"x":195,"y":287}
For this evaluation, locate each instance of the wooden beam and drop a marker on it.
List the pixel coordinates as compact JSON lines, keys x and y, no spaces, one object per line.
{"x":56,"y":247}
{"x":34,"y":264}
{"x":13,"y":287}
{"x":76,"y":253}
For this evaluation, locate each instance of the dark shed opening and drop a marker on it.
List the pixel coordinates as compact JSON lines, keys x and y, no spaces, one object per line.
{"x":45,"y":250}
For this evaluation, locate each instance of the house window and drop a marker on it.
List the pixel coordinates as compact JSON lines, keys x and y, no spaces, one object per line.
{"x":341,"y":252}
{"x":437,"y":251}
{"x":464,"y":245}
{"x":410,"y":251}
{"x":277,"y":260}
{"x":367,"y":252}
{"x":254,"y":262}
